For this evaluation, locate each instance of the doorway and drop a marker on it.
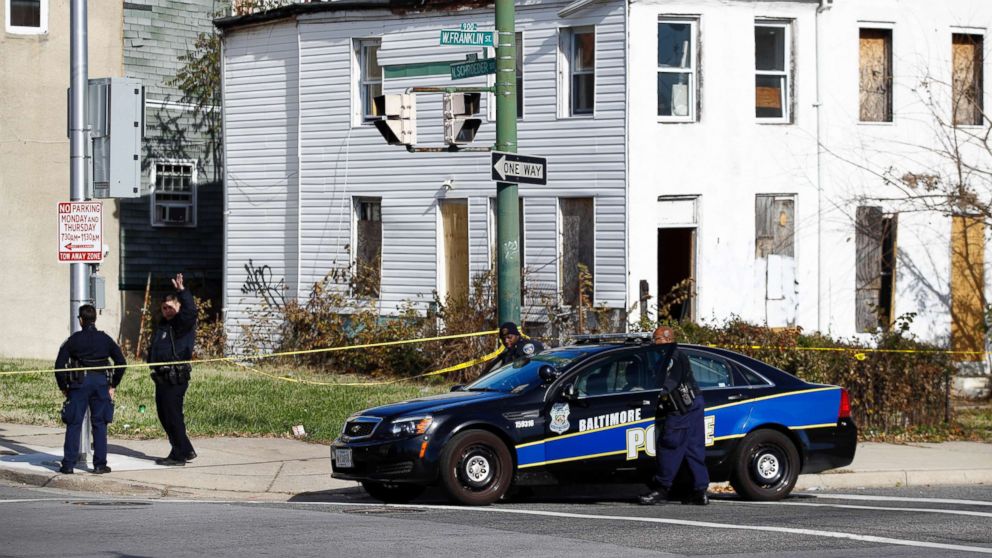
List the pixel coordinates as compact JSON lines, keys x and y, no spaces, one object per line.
{"x":676,"y":273}
{"x":453,"y":264}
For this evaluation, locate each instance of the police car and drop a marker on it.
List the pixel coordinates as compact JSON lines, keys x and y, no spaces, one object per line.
{"x":584,"y":413}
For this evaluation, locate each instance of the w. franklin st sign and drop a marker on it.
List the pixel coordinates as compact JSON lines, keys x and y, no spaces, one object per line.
{"x":467,"y":37}
{"x":520,"y":169}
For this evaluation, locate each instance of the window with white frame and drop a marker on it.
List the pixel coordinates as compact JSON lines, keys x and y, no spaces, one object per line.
{"x":772,"y":68}
{"x":578,"y":70}
{"x":28,"y":17}
{"x":369,"y":77}
{"x":173,"y":196}
{"x":677,"y":77}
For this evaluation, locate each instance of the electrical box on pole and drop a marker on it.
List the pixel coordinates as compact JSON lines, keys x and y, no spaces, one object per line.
{"x":115,"y":116}
{"x":398,"y":118}
{"x":461,"y":122}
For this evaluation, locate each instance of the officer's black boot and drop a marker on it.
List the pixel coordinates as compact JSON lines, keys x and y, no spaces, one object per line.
{"x":698,"y":498}
{"x":657,"y":496}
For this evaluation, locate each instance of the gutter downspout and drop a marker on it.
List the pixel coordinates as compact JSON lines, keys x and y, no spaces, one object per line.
{"x":821,"y":310}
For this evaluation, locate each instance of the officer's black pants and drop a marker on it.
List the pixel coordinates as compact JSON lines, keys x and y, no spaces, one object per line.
{"x":169,"y":404}
{"x":682,"y":439}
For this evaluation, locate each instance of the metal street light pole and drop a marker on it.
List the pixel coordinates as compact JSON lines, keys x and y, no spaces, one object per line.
{"x":507,"y":199}
{"x":78,"y":75}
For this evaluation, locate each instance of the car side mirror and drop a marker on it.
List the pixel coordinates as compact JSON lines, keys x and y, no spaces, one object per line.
{"x":548,"y":373}
{"x":457,"y":387}
{"x":569,"y":393}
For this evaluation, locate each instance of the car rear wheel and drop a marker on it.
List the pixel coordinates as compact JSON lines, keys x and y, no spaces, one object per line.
{"x":393,"y":492}
{"x":476,"y":468}
{"x":766,"y":466}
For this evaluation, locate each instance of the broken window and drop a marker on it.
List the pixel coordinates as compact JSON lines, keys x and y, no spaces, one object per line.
{"x":772,"y":65}
{"x":27,"y":16}
{"x":677,"y":69}
{"x":577,"y":243}
{"x":173,"y":196}
{"x":875,"y":268}
{"x":578,"y":63}
{"x":967,"y":88}
{"x":876,"y":75}
{"x":774,"y":225}
{"x":368,"y":246}
{"x":370,"y":76}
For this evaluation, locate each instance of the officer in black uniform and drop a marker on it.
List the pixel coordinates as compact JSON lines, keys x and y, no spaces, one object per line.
{"x":515,"y":346}
{"x":93,"y":389}
{"x":680,"y":432}
{"x":173,"y":341}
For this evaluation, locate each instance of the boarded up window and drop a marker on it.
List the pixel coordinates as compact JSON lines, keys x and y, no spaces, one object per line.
{"x":578,"y":228}
{"x":368,"y":246}
{"x":875,"y":272}
{"x":774,"y":225}
{"x":967,"y":88}
{"x":876,"y":75}
{"x":967,"y":286}
{"x":454,"y":225}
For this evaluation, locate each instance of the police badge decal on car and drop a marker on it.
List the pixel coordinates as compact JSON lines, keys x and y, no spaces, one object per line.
{"x":559,"y":418}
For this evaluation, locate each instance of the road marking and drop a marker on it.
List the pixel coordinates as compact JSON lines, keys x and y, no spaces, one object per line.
{"x":868,"y":497}
{"x":855,"y":507}
{"x":657,"y":520}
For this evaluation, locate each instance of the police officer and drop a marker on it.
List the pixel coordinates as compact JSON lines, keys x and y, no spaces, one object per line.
{"x":679,"y":428}
{"x":93,"y":389}
{"x":514,"y":346}
{"x":172,"y":342}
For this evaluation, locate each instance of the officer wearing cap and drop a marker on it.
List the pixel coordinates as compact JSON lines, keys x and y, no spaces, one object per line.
{"x":515,"y":346}
{"x":93,"y":389}
{"x":679,"y":428}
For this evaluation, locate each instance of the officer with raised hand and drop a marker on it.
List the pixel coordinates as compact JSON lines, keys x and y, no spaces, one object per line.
{"x":93,"y":389}
{"x":172,"y":342}
{"x":679,"y":428}
{"x":515,"y":346}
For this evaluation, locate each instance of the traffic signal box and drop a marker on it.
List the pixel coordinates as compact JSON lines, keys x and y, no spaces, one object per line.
{"x":398,"y":118}
{"x":460,"y":120}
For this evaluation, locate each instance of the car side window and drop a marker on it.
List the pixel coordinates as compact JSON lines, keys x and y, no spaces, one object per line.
{"x":619,"y":375}
{"x":753,"y":378}
{"x":710,"y":372}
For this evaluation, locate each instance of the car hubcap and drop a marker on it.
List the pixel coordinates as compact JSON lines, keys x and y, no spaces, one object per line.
{"x":478,"y":467}
{"x":768,"y":467}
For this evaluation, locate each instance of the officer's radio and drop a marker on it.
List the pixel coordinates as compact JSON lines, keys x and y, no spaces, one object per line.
{"x":678,"y":401}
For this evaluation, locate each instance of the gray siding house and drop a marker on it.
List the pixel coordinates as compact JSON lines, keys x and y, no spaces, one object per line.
{"x":311,"y":185}
{"x":177,"y":225}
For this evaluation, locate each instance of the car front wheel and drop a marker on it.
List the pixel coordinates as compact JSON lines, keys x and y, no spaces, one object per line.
{"x":393,"y":492}
{"x":766,"y":467}
{"x":476,"y":468}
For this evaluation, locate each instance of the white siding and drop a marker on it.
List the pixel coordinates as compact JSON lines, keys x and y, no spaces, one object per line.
{"x":339,"y":160}
{"x":260,"y":119}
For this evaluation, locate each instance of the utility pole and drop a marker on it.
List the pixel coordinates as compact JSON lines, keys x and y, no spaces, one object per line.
{"x":78,"y":75}
{"x":507,"y":198}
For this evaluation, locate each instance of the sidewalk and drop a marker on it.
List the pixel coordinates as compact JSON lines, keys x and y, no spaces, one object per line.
{"x":278,"y":469}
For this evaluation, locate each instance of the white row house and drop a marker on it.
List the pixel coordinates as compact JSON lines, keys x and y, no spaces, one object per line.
{"x":765,"y":153}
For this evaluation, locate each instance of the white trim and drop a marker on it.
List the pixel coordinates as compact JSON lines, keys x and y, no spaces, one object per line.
{"x":42,"y":28}
{"x":786,"y":73}
{"x":575,"y":7}
{"x":566,"y":55}
{"x":692,"y":70}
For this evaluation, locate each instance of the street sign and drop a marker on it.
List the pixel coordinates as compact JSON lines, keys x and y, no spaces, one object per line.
{"x":81,"y":231}
{"x":465,"y":37}
{"x":521,"y":169}
{"x":473,"y":68}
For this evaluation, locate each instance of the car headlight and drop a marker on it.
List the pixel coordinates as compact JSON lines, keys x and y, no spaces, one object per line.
{"x":411,"y":426}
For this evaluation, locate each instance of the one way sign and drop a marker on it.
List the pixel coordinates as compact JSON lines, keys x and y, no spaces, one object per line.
{"x":525,"y":169}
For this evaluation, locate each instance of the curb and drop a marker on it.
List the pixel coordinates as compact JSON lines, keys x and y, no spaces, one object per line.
{"x":889,"y":479}
{"x":83,"y":482}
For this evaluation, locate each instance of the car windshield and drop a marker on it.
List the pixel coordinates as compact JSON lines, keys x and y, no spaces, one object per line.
{"x":523,"y":374}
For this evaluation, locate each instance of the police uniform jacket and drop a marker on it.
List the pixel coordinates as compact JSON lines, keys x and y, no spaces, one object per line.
{"x":679,"y":371}
{"x":181,"y":330}
{"x":88,"y":347}
{"x":524,"y":347}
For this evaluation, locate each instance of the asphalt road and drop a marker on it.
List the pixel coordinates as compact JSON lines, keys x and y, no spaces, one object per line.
{"x":945,"y":521}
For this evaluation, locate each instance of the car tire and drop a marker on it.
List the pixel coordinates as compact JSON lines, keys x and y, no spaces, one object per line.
{"x":476,"y":468}
{"x":766,"y":466}
{"x":393,"y":492}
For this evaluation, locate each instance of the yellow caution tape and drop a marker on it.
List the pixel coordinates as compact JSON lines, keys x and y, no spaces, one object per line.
{"x":260,"y":356}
